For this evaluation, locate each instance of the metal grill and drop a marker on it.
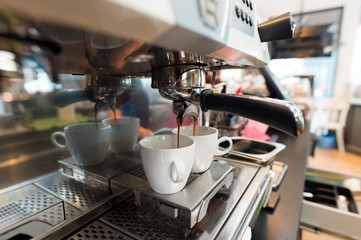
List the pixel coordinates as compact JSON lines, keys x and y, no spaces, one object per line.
{"x":137,"y":171}
{"x":24,"y":202}
{"x":35,"y":202}
{"x":144,"y":223}
{"x":12,"y":212}
{"x":55,"y":215}
{"x":97,"y":230}
{"x":76,"y":193}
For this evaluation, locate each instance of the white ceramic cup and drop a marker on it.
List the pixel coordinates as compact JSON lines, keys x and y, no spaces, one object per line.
{"x":353,"y":184}
{"x":87,"y":144}
{"x":124,"y":133}
{"x":207,"y":145}
{"x":167,"y":167}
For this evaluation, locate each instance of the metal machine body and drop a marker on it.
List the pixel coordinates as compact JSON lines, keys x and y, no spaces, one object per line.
{"x":175,"y":42}
{"x":119,"y":197}
{"x":112,"y":45}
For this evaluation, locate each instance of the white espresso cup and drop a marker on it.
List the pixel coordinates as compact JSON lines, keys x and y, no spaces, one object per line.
{"x":124,"y":133}
{"x":353,"y":184}
{"x":87,"y":144}
{"x":207,"y":145}
{"x":167,"y":167}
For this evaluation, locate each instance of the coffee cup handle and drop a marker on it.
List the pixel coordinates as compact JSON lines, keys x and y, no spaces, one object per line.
{"x":177,"y":171}
{"x":222,"y":152}
{"x":53,"y":140}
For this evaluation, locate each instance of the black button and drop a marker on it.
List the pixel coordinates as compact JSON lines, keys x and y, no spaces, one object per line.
{"x":242,"y":14}
{"x":238,"y":12}
{"x":246,"y":17}
{"x":250,"y":5}
{"x":247,"y":3}
{"x":244,"y":1}
{"x":250,"y":21}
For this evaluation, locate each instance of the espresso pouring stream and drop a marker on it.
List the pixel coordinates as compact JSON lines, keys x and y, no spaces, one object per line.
{"x":179,"y":121}
{"x":96,"y":118}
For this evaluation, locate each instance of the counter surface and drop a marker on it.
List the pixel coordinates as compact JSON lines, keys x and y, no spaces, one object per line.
{"x":283,"y":221}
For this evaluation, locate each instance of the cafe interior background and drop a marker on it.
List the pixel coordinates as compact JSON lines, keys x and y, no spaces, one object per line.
{"x":319,"y":70}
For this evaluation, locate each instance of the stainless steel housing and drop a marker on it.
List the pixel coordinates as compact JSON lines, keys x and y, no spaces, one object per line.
{"x":118,"y":46}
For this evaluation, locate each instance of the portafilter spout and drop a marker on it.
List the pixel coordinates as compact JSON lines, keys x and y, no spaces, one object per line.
{"x":182,"y":106}
{"x":107,"y":88}
{"x":182,"y":84}
{"x":184,"y":110}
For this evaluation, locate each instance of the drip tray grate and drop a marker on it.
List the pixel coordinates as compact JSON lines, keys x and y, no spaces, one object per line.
{"x":191,"y":203}
{"x":24,"y":202}
{"x":144,"y":223}
{"x":74,"y":192}
{"x":55,"y":215}
{"x":97,"y":230}
{"x":12,"y":212}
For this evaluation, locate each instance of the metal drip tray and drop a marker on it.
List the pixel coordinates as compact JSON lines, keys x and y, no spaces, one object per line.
{"x":189,"y":205}
{"x":100,"y":175}
{"x":57,"y":202}
{"x":125,"y":217}
{"x":25,"y":202}
{"x":30,"y":203}
{"x":73,"y":209}
{"x":229,"y":213}
{"x":123,"y":172}
{"x":247,"y":149}
{"x":97,"y":230}
{"x":80,"y":195}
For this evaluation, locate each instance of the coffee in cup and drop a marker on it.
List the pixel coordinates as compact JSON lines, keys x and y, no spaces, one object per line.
{"x":167,"y":167}
{"x":86,"y":142}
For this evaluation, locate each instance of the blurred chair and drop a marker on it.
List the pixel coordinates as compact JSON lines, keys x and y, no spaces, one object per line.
{"x":333,"y":113}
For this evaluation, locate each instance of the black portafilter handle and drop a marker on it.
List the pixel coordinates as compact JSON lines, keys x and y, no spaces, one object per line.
{"x":279,"y":114}
{"x":278,"y":28}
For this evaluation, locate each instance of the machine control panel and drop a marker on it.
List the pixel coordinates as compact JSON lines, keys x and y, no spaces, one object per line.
{"x":243,"y":16}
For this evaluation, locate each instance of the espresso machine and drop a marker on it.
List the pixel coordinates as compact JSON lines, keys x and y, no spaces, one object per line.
{"x":112,"y":44}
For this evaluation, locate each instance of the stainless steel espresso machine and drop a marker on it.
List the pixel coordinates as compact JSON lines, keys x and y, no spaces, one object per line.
{"x":108,"y":48}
